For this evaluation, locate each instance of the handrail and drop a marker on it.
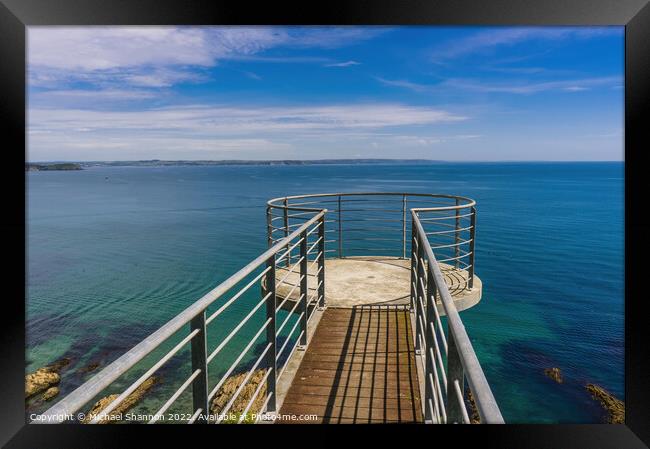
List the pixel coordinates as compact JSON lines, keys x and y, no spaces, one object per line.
{"x":443,"y":386}
{"x":91,"y":388}
{"x":462,"y":363}
{"x":451,"y":218}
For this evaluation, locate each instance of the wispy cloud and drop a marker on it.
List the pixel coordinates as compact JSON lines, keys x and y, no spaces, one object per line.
{"x":162,"y":56}
{"x":510,"y":87}
{"x":486,"y":40}
{"x":162,"y":130}
{"x":343,"y":64}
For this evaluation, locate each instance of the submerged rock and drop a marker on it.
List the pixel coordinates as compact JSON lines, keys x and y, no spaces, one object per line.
{"x":116,"y":414}
{"x":555,"y":374}
{"x":230,"y":386}
{"x":89,"y":368}
{"x":50,"y":393}
{"x":474,"y":417}
{"x":39,"y":381}
{"x":44,"y":378}
{"x":615,"y":407}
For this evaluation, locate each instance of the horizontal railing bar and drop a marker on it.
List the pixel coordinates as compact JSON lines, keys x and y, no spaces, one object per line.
{"x":315,"y":243}
{"x":118,"y":400}
{"x":286,"y":362}
{"x":246,"y":379}
{"x":288,"y":295}
{"x":286,"y":341}
{"x":293,"y":309}
{"x":451,"y":245}
{"x":290,"y":271}
{"x":462,"y":256}
{"x":450,"y":231}
{"x":442,"y":335}
{"x":84,"y":393}
{"x":438,"y":390}
{"x":254,"y":395}
{"x":175,"y":396}
{"x":265,"y":404}
{"x":461,"y":401}
{"x":315,"y":261}
{"x":238,"y":359}
{"x":233,"y":332}
{"x":485,"y":402}
{"x":194,"y":416}
{"x":288,"y":251}
{"x":314,"y":228}
{"x":234,"y":298}
{"x":448,"y":217}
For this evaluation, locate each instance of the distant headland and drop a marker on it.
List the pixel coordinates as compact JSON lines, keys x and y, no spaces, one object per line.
{"x":171,"y":163}
{"x":52,"y":166}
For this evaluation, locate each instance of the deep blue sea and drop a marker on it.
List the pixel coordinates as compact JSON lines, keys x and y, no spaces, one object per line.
{"x":114,"y":253}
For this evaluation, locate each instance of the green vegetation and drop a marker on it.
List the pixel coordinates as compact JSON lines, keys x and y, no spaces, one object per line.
{"x":51,"y":167}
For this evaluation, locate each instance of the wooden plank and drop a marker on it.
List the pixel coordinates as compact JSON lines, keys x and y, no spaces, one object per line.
{"x":359,"y":367}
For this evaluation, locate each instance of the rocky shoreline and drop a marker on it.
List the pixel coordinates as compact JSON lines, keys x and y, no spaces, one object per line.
{"x":44,"y":380}
{"x":615,"y":407}
{"x":127,"y":404}
{"x":228,"y":389}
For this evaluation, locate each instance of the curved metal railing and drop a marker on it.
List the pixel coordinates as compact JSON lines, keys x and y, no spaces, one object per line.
{"x":302,"y":230}
{"x":378,"y":223}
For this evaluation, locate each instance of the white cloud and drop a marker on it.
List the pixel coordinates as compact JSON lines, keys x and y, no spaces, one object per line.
{"x":512,"y":87}
{"x":343,"y":64}
{"x":186,"y":130}
{"x":508,"y":36}
{"x":159,"y":56}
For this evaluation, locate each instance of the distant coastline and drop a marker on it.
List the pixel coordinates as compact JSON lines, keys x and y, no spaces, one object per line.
{"x":175,"y":163}
{"x":78,"y":165}
{"x":53,"y":166}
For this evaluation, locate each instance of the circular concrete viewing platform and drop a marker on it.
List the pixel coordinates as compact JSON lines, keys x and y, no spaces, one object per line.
{"x":373,"y":280}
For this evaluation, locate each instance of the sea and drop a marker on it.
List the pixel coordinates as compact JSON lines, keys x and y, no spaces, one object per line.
{"x":113,"y":253}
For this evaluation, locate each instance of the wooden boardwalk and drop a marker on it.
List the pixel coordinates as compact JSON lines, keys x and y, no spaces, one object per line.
{"x":358,"y":368}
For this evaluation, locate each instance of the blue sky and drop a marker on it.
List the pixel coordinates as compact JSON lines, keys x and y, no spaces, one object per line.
{"x":445,"y":93}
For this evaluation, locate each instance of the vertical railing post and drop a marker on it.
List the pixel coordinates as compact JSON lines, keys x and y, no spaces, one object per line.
{"x":457,"y":237}
{"x":287,"y":260}
{"x":404,"y":226}
{"x":414,"y":243}
{"x":340,"y":228}
{"x":472,"y":236}
{"x":420,"y":292}
{"x":269,"y":226}
{"x":303,"y":289}
{"x":199,"y":362}
{"x":321,"y":262}
{"x":428,"y":338}
{"x":271,"y":363}
{"x":454,"y":372}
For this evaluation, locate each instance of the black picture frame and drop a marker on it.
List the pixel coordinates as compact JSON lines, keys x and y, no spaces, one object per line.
{"x":15,"y":15}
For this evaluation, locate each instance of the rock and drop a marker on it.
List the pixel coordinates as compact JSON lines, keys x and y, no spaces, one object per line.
{"x":44,"y":378}
{"x":615,"y":407}
{"x":474,"y":417}
{"x":39,"y":381}
{"x":231,"y":385}
{"x":57,"y":366}
{"x":555,"y":374}
{"x":89,"y":368}
{"x":116,"y":414}
{"x":50,"y":393}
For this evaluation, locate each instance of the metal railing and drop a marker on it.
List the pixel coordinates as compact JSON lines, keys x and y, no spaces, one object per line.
{"x":308,"y":241}
{"x":378,"y":223}
{"x":448,"y":358}
{"x":302,"y":232}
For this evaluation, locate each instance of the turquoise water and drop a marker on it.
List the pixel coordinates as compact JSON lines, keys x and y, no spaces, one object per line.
{"x":113,"y":253}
